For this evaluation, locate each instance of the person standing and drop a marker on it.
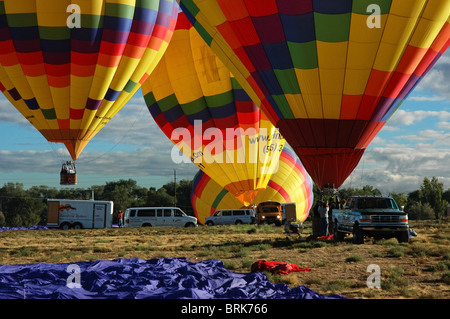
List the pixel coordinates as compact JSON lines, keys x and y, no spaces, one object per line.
{"x":316,"y":220}
{"x":323,"y":213}
{"x":332,"y":206}
{"x":120,"y":217}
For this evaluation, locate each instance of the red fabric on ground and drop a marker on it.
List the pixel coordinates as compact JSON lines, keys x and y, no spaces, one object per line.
{"x":326,"y":238}
{"x":275,"y":267}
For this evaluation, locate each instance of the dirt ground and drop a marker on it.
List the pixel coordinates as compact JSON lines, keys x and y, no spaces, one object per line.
{"x":418,"y":269}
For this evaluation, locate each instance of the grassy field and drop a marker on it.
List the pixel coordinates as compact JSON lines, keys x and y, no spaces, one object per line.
{"x":419,"y":269}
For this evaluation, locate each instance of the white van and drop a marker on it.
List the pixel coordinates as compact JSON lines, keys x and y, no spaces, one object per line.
{"x":231,"y":216}
{"x":158,"y":216}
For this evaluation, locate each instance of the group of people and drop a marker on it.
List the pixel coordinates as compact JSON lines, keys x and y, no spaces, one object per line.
{"x":324,"y":210}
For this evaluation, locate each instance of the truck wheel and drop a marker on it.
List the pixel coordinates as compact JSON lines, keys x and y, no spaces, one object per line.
{"x":146,"y":225}
{"x":189,"y":225}
{"x":238,"y":222}
{"x":403,"y":237}
{"x":358,"y":237}
{"x":209,"y":223}
{"x":338,"y":236}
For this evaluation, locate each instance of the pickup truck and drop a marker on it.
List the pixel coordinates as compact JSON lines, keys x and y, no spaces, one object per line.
{"x":373,"y":216}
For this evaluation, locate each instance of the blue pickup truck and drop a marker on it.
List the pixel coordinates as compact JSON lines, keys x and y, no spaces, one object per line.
{"x":373,"y":216}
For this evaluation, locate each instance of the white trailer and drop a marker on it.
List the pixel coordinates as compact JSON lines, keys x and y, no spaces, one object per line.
{"x":289,"y":211}
{"x":78,"y":214}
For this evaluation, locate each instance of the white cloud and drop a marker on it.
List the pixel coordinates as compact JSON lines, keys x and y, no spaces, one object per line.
{"x":444,"y":125}
{"x":426,"y":135}
{"x":403,"y":117}
{"x":438,"y":78}
{"x":397,"y":168}
{"x":9,"y":114}
{"x":427,"y":98}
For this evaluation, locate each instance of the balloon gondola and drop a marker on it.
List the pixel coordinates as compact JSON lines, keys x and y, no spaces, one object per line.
{"x":68,"y":175}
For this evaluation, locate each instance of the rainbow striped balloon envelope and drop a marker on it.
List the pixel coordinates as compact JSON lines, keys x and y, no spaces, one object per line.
{"x":203,"y":110}
{"x":290,"y":184}
{"x":327,"y":73}
{"x":70,"y":66}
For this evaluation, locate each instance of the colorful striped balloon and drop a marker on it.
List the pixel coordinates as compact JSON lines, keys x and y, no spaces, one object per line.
{"x":203,"y":110}
{"x":291,"y":183}
{"x":70,"y":66}
{"x":327,"y":73}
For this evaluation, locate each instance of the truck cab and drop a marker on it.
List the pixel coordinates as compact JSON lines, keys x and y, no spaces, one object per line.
{"x":374,"y":216}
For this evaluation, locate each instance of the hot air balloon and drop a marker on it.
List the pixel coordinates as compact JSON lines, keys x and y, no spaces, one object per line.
{"x":327,"y":73}
{"x":289,"y":184}
{"x":199,"y":106}
{"x":69,"y":68}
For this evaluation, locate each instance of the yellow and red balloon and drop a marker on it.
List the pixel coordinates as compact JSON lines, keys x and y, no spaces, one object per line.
{"x":291,"y":183}
{"x":327,"y":73}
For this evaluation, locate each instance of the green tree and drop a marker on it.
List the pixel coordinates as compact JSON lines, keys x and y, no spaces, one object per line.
{"x":431,"y":192}
{"x":42,"y":193}
{"x":124,"y":194}
{"x":400,"y":198}
{"x":18,"y":207}
{"x":446,"y":195}
{"x":159,"y":197}
{"x":184,"y":190}
{"x":420,"y":211}
{"x":183,"y":194}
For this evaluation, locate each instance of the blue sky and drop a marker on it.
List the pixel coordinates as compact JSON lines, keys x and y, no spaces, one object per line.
{"x":415,"y":143}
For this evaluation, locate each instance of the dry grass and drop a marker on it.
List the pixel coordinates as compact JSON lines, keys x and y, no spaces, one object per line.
{"x":419,"y":269}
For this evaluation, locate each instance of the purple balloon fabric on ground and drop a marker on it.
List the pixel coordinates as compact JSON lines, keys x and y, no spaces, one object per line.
{"x":168,"y":278}
{"x":23,"y":228}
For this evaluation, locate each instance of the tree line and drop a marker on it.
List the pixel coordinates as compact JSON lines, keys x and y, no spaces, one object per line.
{"x":28,"y":207}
